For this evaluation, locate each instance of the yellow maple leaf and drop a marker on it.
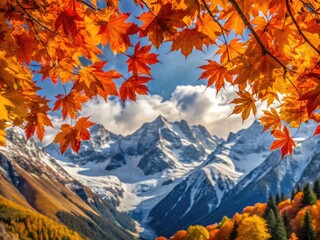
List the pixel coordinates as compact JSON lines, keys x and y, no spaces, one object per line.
{"x":244,"y":105}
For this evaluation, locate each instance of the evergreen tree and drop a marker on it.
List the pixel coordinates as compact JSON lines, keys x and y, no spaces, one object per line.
{"x":271,"y":222}
{"x":298,"y":188}
{"x":293,"y":193}
{"x":287,"y":223}
{"x":279,"y":232}
{"x":309,"y":197}
{"x":272,"y":205}
{"x":316,"y":188}
{"x":283,"y":197}
{"x":306,"y":231}
{"x":278,"y":199}
{"x":234,"y":233}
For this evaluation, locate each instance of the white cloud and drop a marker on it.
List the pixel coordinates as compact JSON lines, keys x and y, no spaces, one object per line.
{"x":195,"y":104}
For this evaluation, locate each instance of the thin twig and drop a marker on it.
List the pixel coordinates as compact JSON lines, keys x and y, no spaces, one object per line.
{"x":148,"y":7}
{"x":34,"y":28}
{"x":89,"y":5}
{"x":221,"y":27}
{"x":298,"y":28}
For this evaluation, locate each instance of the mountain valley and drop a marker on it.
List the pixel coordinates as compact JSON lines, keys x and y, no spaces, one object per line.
{"x":166,"y":176}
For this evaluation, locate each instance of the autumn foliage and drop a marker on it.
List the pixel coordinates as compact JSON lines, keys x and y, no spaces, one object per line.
{"x":289,"y":217}
{"x":269,"y":50}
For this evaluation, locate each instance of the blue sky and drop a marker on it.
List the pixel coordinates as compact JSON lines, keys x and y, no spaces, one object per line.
{"x":173,"y":70}
{"x":174,"y":93}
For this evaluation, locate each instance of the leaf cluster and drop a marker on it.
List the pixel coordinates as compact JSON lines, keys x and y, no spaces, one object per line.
{"x":269,"y":50}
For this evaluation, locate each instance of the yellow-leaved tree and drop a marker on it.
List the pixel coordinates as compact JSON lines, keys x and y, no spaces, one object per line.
{"x":268,"y":50}
{"x":197,"y":232}
{"x":253,"y":228}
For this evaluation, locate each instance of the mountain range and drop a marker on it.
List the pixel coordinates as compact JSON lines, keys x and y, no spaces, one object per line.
{"x":169,"y":175}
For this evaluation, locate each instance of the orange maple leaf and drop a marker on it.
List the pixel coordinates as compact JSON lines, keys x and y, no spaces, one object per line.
{"x":233,"y":20}
{"x":230,"y":51}
{"x":73,"y":135}
{"x":70,"y":103}
{"x":37,"y":119}
{"x":245,"y":104}
{"x":285,"y":141}
{"x":216,"y":74}
{"x":63,"y":71}
{"x":27,"y":45}
{"x":116,"y":32}
{"x":208,"y":26}
{"x":312,"y":91}
{"x":161,"y":24}
{"x":93,"y":80}
{"x":109,"y":87}
{"x":271,"y":120}
{"x":135,"y":84}
{"x":67,"y":19}
{"x":187,"y":39}
{"x":141,"y":58}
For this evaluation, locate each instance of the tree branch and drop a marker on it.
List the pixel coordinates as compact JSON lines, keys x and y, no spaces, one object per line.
{"x":255,"y":35}
{"x":298,"y":28}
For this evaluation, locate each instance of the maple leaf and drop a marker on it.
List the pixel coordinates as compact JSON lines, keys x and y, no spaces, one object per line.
{"x":73,"y":135}
{"x":233,"y":20}
{"x":216,"y":74}
{"x":188,"y":39}
{"x":245,"y":104}
{"x":60,"y":71}
{"x":27,"y":45}
{"x":135,"y":84}
{"x":208,"y":26}
{"x":109,"y":87}
{"x":67,"y":19}
{"x":4,"y":104}
{"x":2,"y":134}
{"x":191,"y":7}
{"x":271,"y":120}
{"x":230,"y":51}
{"x":293,"y":110}
{"x":70,"y":103}
{"x":93,"y":80}
{"x":312,"y":92}
{"x":317,"y":131}
{"x":161,"y":24}
{"x":141,"y":58}
{"x":116,"y":32}
{"x":285,"y":141}
{"x":37,"y":119}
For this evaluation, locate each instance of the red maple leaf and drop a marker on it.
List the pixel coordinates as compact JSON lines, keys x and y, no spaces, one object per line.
{"x":135,"y":84}
{"x":67,"y":19}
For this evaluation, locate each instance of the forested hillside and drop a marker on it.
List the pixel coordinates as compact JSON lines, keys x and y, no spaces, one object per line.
{"x":28,"y":224}
{"x":282,"y":218}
